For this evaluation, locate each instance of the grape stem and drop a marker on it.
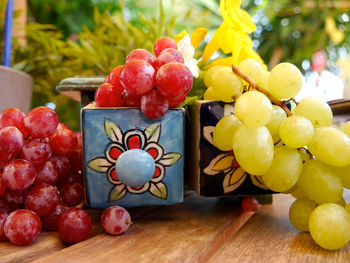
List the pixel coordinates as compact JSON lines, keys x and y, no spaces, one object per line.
{"x":253,"y":84}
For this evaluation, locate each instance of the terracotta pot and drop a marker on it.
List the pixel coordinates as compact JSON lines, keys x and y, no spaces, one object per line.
{"x":15,"y":89}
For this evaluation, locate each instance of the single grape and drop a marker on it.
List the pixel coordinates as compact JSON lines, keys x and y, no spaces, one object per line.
{"x":331,"y":146}
{"x":208,"y":76}
{"x":11,"y":139}
{"x":36,"y":151}
{"x":226,"y":85}
{"x":296,"y":131}
{"x":224,"y":131}
{"x":291,"y":84}
{"x":72,"y":194}
{"x":251,"y":68}
{"x":22,"y":227}
{"x":41,"y":122}
{"x":74,"y":225}
{"x":107,"y":95}
{"x":42,"y":199}
{"x":131,"y":100}
{"x":253,"y":109}
{"x":141,"y":54}
{"x":15,"y":197}
{"x":63,"y":142}
{"x":50,"y":221}
{"x":173,"y":79}
{"x":346,"y":128}
{"x":298,"y":193}
{"x":299,"y":213}
{"x":168,"y":55}
{"x":163,"y":43}
{"x":253,"y":149}
{"x":3,"y":217}
{"x":18,"y":174}
{"x":277,"y":117}
{"x":210,"y":94}
{"x":285,"y":169}
{"x":12,"y":117}
{"x":329,"y":226}
{"x":46,"y":173}
{"x":62,"y":166}
{"x":176,"y":101}
{"x":115,"y":220}
{"x":76,"y":159}
{"x":137,"y":77}
{"x":316,"y":110}
{"x":250,"y":204}
{"x":320,"y":183}
{"x":263,"y":82}
{"x":154,"y":105}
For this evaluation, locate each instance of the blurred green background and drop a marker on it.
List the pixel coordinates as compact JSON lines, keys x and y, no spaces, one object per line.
{"x":67,"y":38}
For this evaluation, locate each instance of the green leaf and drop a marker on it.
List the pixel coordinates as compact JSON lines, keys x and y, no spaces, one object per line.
{"x":153,"y":132}
{"x":99,"y":164}
{"x":117,"y":193}
{"x":170,"y":159}
{"x":159,"y":190}
{"x":113,"y":132}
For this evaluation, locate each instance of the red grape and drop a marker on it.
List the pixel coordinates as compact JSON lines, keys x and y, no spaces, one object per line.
{"x":62,"y":126}
{"x":137,"y":77}
{"x":79,"y":140}
{"x":18,"y":174}
{"x":113,"y":78}
{"x":63,"y":142}
{"x":22,"y":227}
{"x":11,"y":139}
{"x":72,"y":194}
{"x":3,"y":217}
{"x":115,"y":220}
{"x":62,"y":166}
{"x":6,"y":207}
{"x":42,"y":199}
{"x":132,"y":100}
{"x":76,"y":159}
{"x":168,"y":55}
{"x":36,"y":151}
{"x":46,"y":173}
{"x":12,"y":117}
{"x":154,"y":105}
{"x":50,"y":221}
{"x":41,"y":122}
{"x":250,"y":204}
{"x":2,"y":186}
{"x":141,"y":54}
{"x":176,"y":101}
{"x":74,"y":225}
{"x":163,"y":43}
{"x":74,"y":176}
{"x":15,"y":197}
{"x":5,"y":157}
{"x":173,"y":80}
{"x":107,"y":95}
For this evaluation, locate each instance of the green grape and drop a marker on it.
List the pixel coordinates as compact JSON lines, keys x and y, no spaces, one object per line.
{"x":316,"y":110}
{"x":285,"y":81}
{"x":285,"y":169}
{"x":320,"y":183}
{"x":209,"y":94}
{"x":344,"y":174}
{"x":329,"y":226}
{"x":208,"y":76}
{"x":277,"y":117}
{"x":296,"y":131}
{"x":299,"y":213}
{"x":298,"y":193}
{"x":253,"y":109}
{"x":347,"y":208}
{"x":224,"y":132}
{"x":226,"y":85}
{"x":305,"y":156}
{"x":341,"y":202}
{"x":264,"y":80}
{"x":253,"y":149}
{"x":346,"y":128}
{"x":251,"y":68}
{"x":331,"y":146}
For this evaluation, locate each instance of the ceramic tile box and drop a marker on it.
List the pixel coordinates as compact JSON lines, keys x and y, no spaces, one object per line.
{"x":213,"y":172}
{"x":110,"y":134}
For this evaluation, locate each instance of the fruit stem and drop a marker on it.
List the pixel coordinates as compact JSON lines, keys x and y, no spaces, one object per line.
{"x":253,"y":84}
{"x":128,"y":222}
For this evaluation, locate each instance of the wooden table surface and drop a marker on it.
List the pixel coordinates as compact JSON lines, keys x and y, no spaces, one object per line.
{"x":198,"y":230}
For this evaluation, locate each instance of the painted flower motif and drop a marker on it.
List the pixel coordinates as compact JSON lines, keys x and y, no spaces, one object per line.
{"x":147,"y":140}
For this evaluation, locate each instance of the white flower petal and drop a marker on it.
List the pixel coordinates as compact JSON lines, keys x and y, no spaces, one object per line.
{"x":185,"y":48}
{"x":192,"y":66}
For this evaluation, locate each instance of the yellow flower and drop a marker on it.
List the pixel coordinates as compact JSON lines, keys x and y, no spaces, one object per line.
{"x":196,"y":38}
{"x":336,"y":35}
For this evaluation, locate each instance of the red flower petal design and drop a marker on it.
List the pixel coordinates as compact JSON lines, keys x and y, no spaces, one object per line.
{"x":134,"y":142}
{"x":115,"y":152}
{"x":153,"y":152}
{"x":113,"y":175}
{"x":157,"y":172}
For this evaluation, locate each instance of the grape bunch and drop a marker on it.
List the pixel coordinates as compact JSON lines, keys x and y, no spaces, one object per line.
{"x":152,"y":83}
{"x":40,"y":174}
{"x":295,"y":152}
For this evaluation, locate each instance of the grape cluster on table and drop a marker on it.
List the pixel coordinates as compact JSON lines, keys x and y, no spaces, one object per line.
{"x":41,"y":185}
{"x":152,"y":83}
